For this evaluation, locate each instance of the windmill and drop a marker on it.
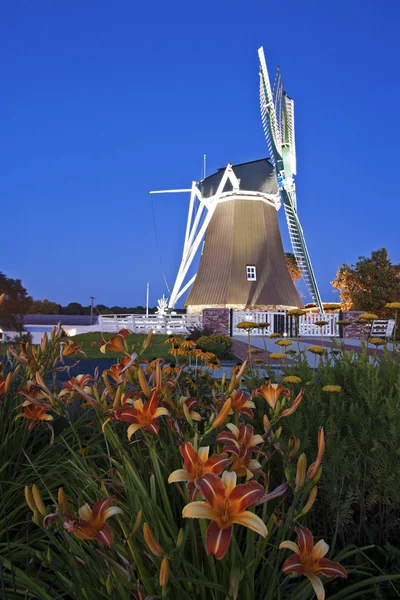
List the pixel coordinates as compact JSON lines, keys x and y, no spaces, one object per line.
{"x":233,"y":213}
{"x":277,"y":113}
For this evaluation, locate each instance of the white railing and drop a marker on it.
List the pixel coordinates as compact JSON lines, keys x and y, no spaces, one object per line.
{"x":280,"y":323}
{"x":257,"y":317}
{"x":142,"y":324}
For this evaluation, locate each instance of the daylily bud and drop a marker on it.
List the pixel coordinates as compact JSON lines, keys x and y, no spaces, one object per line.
{"x":8,"y":382}
{"x":301,"y":471}
{"x":108,"y":584}
{"x":38,"y":501}
{"x":153,"y":492}
{"x":317,"y":476}
{"x":187,"y":414}
{"x":137,"y":521}
{"x":312,"y":471}
{"x":164,"y":572}
{"x":278,"y":433}
{"x":143,"y":383}
{"x":147,"y":341}
{"x":278,"y":407}
{"x":277,"y":520}
{"x":179,"y":540}
{"x":108,"y":384}
{"x":267,"y":424}
{"x":118,"y":396}
{"x":223,"y":414}
{"x":2,"y":296}
{"x":151,"y":541}
{"x":310,"y":501}
{"x":44,"y":341}
{"x":293,"y":446}
{"x":29,"y":498}
{"x":288,"y":476}
{"x":62,"y":501}
{"x":223,"y":379}
{"x":232,"y":383}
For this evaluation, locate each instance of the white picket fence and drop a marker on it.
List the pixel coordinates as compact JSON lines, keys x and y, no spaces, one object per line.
{"x":280,"y":323}
{"x":141,"y":324}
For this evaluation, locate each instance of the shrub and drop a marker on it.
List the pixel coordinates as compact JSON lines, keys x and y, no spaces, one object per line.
{"x":216,"y":338}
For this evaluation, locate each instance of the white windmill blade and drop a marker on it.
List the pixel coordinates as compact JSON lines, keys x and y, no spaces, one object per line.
{"x":268,"y":112}
{"x":277,"y":93}
{"x":300,"y":248}
{"x":289,"y":135}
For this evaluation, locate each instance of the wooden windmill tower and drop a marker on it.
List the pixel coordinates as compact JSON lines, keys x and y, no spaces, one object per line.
{"x":242,"y":264}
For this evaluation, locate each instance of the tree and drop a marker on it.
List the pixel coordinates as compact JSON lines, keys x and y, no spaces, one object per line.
{"x":15,"y":305}
{"x":44,"y":307}
{"x":369,"y":284}
{"x":292,"y":266}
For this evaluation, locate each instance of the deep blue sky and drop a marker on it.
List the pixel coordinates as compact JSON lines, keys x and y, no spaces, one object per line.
{"x":102,"y":101}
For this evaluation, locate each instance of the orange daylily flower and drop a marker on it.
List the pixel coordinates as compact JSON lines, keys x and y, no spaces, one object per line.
{"x":142,"y":416}
{"x":238,"y":437}
{"x":35,"y":413}
{"x":241,"y":403}
{"x":92,"y":522}
{"x":295,"y":405}
{"x":309,"y":560}
{"x":118,"y":371}
{"x":115,"y":344}
{"x":220,"y":418}
{"x":79,"y":381}
{"x":225,"y":504}
{"x":243,"y":464}
{"x":271,"y":393}
{"x":197,"y":464}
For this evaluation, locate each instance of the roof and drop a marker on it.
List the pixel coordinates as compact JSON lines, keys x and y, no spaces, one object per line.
{"x":255,"y":176}
{"x":54,"y":319}
{"x":241,"y":233}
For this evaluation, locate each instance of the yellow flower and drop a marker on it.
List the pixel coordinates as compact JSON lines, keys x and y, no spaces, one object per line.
{"x":263,"y":325}
{"x":332,"y":306}
{"x":291,"y":352}
{"x":297,"y":312}
{"x":277,"y":355}
{"x":321,"y":323}
{"x":343,"y":322}
{"x":394,"y":305}
{"x":255,"y":351}
{"x":247,"y":325}
{"x":283,"y":343}
{"x":172,"y":339}
{"x":377,"y":341}
{"x":291,"y":379}
{"x":316,"y":349}
{"x":368,"y":317}
{"x":273,"y":336}
{"x":333,"y":389}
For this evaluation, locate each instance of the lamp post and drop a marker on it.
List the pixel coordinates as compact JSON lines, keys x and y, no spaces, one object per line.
{"x":147,"y":298}
{"x":92,"y":298}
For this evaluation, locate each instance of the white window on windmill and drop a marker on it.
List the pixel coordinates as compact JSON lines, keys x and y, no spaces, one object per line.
{"x":251,"y":273}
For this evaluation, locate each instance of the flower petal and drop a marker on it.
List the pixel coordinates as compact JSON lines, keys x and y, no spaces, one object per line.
{"x":289,"y":546}
{"x":252,"y":521}
{"x":233,"y":429}
{"x":179,"y":475}
{"x":133,"y":428}
{"x":211,"y":488}
{"x":305,"y":539}
{"x":293,"y":565}
{"x":256,"y":439}
{"x":203,"y":453}
{"x":161,"y":412}
{"x":320,"y":549}
{"x":198,"y":510}
{"x":110,"y":512}
{"x":229,"y":481}
{"x":105,"y":535}
{"x":318,"y":586}
{"x":218,"y":540}
{"x":246,"y":495}
{"x":217,"y":463}
{"x":189,"y":455}
{"x":99,"y":508}
{"x":85,"y":512}
{"x":331,"y":569}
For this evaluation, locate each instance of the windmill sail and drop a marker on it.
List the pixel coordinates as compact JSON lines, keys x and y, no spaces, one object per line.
{"x":277,"y":114}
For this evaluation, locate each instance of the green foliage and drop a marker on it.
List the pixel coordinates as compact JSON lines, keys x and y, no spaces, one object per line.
{"x":215,"y":338}
{"x":357,"y":502}
{"x":15,"y":305}
{"x":44,"y":307}
{"x":369,"y":284}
